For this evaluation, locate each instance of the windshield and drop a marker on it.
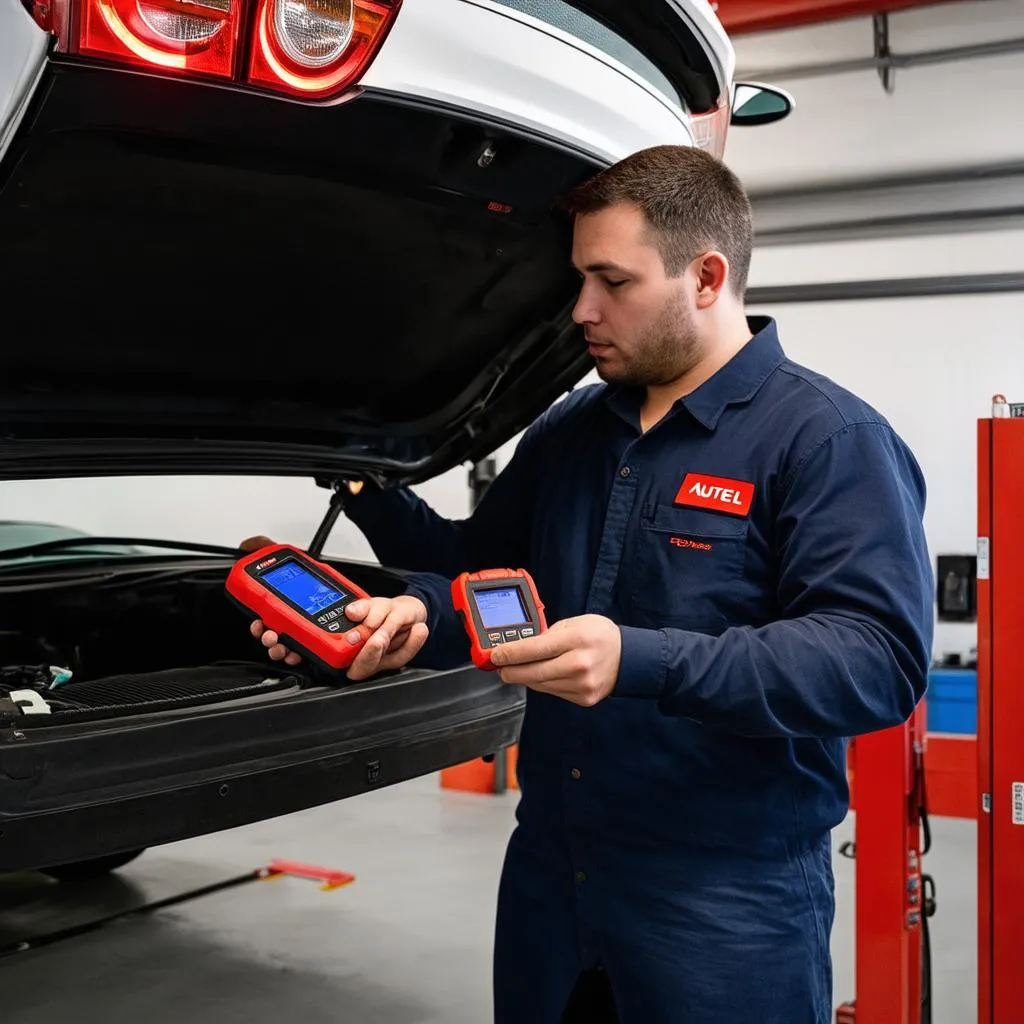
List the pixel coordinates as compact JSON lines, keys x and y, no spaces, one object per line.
{"x":18,"y":539}
{"x":34,"y":542}
{"x":213,"y":512}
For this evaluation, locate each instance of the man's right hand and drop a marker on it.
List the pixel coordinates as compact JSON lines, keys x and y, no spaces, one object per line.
{"x":399,"y":627}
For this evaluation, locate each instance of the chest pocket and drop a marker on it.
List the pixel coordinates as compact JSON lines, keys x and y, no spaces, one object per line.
{"x":688,"y":562}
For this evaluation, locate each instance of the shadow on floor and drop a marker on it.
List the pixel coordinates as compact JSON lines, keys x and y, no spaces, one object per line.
{"x":152,"y":969}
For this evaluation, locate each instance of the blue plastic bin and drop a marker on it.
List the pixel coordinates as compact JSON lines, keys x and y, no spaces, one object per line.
{"x":952,"y":700}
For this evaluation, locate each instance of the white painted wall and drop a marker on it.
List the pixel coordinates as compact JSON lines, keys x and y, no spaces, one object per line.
{"x":930,"y":365}
{"x":216,"y":510}
{"x":846,"y":126}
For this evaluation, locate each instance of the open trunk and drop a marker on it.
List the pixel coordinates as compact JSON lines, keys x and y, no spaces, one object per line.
{"x":210,"y":281}
{"x":139,"y":640}
{"x":175,"y":723}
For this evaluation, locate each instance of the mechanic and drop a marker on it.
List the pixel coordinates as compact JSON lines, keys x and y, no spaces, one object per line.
{"x":731,"y":552}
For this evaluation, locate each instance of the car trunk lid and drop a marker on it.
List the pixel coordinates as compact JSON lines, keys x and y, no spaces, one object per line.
{"x":364,"y":289}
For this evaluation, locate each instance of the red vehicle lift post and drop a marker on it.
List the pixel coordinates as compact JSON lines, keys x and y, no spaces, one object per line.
{"x":1000,"y":713}
{"x":893,"y":898}
{"x":888,"y":782}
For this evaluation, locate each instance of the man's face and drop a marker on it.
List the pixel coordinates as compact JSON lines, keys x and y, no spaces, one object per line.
{"x":640,"y":324}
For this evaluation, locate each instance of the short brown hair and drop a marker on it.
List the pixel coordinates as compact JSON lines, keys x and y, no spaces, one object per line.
{"x":691,"y":201}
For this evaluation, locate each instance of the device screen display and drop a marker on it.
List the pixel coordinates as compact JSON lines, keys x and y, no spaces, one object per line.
{"x":301,"y":586}
{"x":500,"y":606}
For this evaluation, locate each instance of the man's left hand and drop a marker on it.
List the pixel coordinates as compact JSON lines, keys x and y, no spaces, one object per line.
{"x":576,"y":659}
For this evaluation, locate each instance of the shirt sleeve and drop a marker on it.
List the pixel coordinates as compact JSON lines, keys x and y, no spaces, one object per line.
{"x":850,"y":651}
{"x":447,"y":644}
{"x":405,"y":532}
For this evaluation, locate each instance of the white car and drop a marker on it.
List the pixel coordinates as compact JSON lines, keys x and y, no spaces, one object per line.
{"x":306,"y":238}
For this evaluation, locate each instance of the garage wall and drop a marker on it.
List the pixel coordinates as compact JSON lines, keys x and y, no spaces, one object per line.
{"x":930,"y":365}
{"x":960,"y":114}
{"x":216,"y":510}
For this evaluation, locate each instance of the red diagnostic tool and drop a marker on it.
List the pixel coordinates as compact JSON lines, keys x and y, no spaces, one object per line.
{"x":497,"y":606}
{"x":302,"y":600}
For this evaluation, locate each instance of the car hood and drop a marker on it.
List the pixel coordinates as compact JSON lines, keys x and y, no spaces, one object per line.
{"x":198,"y":280}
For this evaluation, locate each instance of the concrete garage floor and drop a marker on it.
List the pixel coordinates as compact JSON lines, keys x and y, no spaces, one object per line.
{"x":407,"y":943}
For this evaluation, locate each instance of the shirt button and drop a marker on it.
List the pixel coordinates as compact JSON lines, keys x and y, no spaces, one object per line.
{"x":576,"y":773}
{"x":624,"y":472}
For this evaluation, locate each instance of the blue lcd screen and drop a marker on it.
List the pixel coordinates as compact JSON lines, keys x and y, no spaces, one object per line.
{"x":301,"y":586}
{"x":500,"y":606}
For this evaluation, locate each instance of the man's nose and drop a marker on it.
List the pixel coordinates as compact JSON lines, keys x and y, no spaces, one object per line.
{"x":585,"y":311}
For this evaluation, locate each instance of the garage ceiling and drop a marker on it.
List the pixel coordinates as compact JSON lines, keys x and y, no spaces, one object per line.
{"x":739,"y":16}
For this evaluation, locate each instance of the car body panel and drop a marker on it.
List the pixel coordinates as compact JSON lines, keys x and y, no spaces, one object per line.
{"x":23,"y":47}
{"x":496,"y":62}
{"x":16,"y":534}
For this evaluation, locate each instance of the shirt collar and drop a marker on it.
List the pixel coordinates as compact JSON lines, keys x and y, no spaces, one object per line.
{"x":738,"y":381}
{"x":741,"y":378}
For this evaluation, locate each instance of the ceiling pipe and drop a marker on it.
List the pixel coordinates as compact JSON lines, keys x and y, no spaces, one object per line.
{"x":895,"y":61}
{"x":770,"y":296}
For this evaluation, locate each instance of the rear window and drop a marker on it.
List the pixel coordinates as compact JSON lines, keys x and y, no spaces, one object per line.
{"x":574,"y":22}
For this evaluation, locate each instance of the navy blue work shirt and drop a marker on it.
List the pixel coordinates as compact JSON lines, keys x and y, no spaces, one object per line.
{"x":762,"y":551}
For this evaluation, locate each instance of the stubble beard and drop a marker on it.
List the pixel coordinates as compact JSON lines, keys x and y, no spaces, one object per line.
{"x":666,"y":350}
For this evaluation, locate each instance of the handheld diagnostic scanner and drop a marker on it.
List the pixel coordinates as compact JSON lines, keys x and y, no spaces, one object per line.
{"x":303,"y":601}
{"x":497,"y":606}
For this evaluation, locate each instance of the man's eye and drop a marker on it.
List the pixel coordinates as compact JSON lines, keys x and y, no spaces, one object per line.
{"x":614,"y":284}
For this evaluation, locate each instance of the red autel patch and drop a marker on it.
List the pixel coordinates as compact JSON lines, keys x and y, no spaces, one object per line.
{"x":717,"y":493}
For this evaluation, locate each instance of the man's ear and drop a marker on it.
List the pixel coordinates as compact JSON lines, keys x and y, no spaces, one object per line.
{"x":712,"y":274}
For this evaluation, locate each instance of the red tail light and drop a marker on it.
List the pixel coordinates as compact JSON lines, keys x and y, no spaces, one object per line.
{"x":313,"y":48}
{"x":188,"y":35}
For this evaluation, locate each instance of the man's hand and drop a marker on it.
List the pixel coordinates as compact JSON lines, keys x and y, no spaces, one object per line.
{"x":399,"y":627}
{"x":576,"y":659}
{"x":255,"y":543}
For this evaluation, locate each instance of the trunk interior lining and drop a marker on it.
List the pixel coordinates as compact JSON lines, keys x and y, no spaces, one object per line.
{"x":153,"y":642}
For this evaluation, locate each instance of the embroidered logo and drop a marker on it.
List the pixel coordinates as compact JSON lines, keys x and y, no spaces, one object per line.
{"x":717,"y":493}
{"x":693,"y":545}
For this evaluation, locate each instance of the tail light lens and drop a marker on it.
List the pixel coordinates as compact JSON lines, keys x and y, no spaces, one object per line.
{"x":709,"y":129}
{"x":313,"y":49}
{"x":316,"y":48}
{"x":200,"y":36}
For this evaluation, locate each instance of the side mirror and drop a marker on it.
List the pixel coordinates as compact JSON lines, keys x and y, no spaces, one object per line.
{"x":754,"y":104}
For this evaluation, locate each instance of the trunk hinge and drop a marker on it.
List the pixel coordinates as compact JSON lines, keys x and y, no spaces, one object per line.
{"x":340,"y":489}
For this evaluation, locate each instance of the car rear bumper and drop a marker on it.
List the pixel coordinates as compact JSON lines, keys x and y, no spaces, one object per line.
{"x":70,"y":793}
